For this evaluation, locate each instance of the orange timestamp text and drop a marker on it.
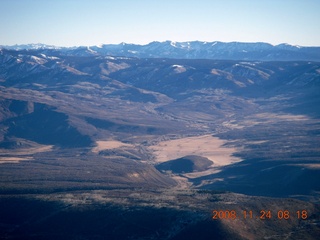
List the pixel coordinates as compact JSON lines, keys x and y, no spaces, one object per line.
{"x":262,"y":214}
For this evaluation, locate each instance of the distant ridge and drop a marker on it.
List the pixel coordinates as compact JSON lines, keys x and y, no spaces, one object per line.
{"x":30,"y":46}
{"x":258,"y":51}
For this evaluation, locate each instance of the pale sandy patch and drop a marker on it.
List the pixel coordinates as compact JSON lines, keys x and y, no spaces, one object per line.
{"x":39,"y":149}
{"x":75,"y":71}
{"x":286,"y":117}
{"x":212,"y":170}
{"x":179,"y":68}
{"x":215,"y":71}
{"x":22,"y":154}
{"x":14,"y":159}
{"x":264,"y":118}
{"x":232,"y":125}
{"x":26,"y":151}
{"x":134,"y":175}
{"x":112,"y":144}
{"x":205,"y":146}
{"x":257,"y":142}
{"x":182,"y":182}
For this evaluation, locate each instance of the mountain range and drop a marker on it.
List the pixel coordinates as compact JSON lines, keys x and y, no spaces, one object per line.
{"x":192,"y":50}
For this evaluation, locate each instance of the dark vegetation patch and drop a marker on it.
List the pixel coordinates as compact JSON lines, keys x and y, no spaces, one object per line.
{"x":46,"y":126}
{"x":120,"y":127}
{"x":23,"y":218}
{"x":67,"y":169}
{"x":126,"y":153}
{"x":133,"y":94}
{"x":279,"y":160}
{"x":185,"y":164}
{"x":204,"y":230}
{"x":82,"y":215}
{"x":20,"y":107}
{"x":266,"y":179}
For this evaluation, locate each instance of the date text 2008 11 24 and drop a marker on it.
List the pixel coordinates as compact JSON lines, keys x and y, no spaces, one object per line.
{"x":263,"y":214}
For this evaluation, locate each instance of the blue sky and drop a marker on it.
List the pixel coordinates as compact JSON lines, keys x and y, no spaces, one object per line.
{"x":92,"y":22}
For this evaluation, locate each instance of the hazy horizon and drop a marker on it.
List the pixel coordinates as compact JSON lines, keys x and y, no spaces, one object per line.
{"x":86,"y":23}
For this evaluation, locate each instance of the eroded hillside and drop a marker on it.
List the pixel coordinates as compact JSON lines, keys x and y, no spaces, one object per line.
{"x":95,"y":122}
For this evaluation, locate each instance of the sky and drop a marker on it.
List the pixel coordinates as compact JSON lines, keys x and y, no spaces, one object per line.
{"x":93,"y":22}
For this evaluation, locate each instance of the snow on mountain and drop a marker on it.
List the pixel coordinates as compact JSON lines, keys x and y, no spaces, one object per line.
{"x":30,"y":46}
{"x":258,"y":51}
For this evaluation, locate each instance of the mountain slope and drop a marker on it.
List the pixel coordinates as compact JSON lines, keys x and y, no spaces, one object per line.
{"x":98,"y":102}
